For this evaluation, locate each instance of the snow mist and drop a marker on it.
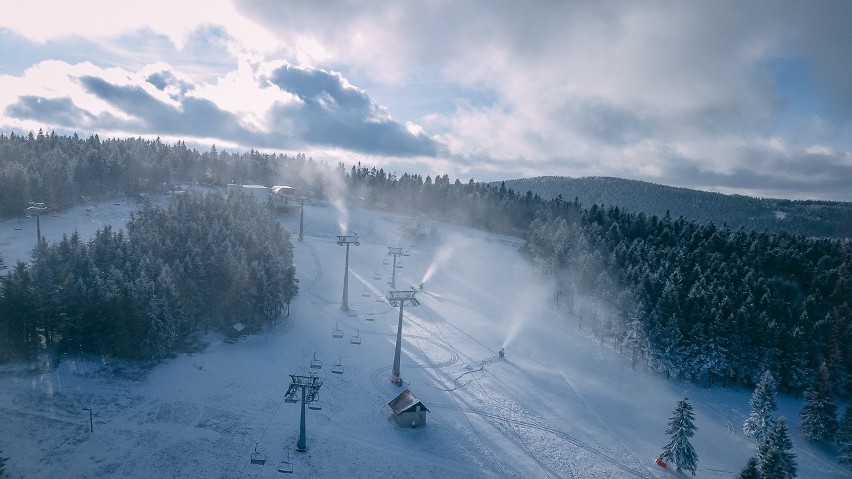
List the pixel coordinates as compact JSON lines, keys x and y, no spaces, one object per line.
{"x":442,"y":257}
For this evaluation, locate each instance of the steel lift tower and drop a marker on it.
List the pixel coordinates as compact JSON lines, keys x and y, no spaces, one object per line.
{"x":310,"y":386}
{"x":37,"y":208}
{"x":399,"y":298}
{"x":394,"y":251}
{"x":346,"y":240}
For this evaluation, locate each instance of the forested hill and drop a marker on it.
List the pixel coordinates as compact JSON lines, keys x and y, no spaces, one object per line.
{"x":810,"y":218}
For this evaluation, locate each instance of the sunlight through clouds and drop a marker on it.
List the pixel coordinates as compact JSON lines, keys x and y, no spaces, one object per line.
{"x":685,"y":94}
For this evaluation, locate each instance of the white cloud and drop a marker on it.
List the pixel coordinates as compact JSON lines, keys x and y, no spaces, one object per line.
{"x":105,"y":18}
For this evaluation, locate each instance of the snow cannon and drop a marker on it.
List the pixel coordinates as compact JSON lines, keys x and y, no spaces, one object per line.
{"x":660,"y":462}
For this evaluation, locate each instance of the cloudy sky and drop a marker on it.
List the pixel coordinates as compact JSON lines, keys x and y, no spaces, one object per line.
{"x":738,"y":97}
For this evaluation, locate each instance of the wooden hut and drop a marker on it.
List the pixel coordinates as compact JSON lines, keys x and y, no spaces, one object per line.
{"x":408,"y":410}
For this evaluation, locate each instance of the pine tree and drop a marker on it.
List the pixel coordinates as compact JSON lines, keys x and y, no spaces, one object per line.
{"x":844,"y":438}
{"x":3,"y":464}
{"x":774,"y":455}
{"x":680,"y":428}
{"x":818,"y":418}
{"x":759,"y":422}
{"x":750,"y":471}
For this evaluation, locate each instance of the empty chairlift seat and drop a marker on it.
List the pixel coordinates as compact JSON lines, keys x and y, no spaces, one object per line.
{"x":338,"y":368}
{"x":286,"y":466}
{"x":258,"y":458}
{"x":356,"y":339}
{"x":316,"y":363}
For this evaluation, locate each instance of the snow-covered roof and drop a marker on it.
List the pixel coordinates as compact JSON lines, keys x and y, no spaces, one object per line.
{"x":405,"y":402}
{"x":283,"y":189}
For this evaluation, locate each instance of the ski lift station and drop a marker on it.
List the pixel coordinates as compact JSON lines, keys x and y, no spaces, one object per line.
{"x":408,"y":410}
{"x":258,"y":192}
{"x":281,"y":196}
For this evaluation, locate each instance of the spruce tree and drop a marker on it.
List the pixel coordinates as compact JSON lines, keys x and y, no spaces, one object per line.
{"x":750,"y":471}
{"x":3,"y":464}
{"x":759,"y":422}
{"x":774,"y":456}
{"x":844,"y":438}
{"x":818,"y":418}
{"x":680,"y":428}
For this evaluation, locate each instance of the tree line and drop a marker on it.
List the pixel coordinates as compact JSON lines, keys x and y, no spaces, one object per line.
{"x":202,"y":262}
{"x":63,"y":171}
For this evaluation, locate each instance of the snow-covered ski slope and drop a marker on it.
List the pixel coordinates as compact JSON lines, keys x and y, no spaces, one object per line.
{"x":558,"y":406}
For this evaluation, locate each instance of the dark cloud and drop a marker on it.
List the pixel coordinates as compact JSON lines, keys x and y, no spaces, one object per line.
{"x":331,"y":113}
{"x":57,"y":111}
{"x":334,"y":113}
{"x":768,"y":174}
{"x":194,"y":116}
{"x":163,"y":79}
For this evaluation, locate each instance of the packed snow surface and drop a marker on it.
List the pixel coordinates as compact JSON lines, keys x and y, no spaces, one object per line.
{"x":559,"y":405}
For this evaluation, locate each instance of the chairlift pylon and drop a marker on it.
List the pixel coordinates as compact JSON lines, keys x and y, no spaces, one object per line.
{"x":286,"y":466}
{"x":337,"y":333}
{"x":258,"y":458}
{"x":356,"y":339}
{"x":338,"y":368}
{"x":316,"y":363}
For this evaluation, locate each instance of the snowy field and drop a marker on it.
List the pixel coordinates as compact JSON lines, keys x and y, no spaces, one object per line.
{"x":558,"y":406}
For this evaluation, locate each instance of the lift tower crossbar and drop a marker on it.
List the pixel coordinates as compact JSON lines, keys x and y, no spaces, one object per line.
{"x":346,"y":240}
{"x":399,"y":298}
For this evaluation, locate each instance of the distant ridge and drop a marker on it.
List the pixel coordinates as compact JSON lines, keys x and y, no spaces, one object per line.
{"x":809,"y":217}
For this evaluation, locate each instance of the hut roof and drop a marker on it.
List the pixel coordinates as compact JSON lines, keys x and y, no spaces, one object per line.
{"x":405,"y":402}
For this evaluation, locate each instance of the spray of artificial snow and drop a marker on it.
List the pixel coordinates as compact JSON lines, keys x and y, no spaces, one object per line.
{"x":442,"y":257}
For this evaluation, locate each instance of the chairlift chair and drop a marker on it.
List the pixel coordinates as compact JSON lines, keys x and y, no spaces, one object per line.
{"x":365,"y":293}
{"x":316,"y":405}
{"x":406,"y":253}
{"x":258,"y":458}
{"x":357,"y":338}
{"x":371,"y":316}
{"x":385,"y":261}
{"x":337,"y":333}
{"x":377,"y":275}
{"x":316,"y":363}
{"x":290,"y":398}
{"x":380,"y":298}
{"x":353,"y":313}
{"x":286,"y":466}
{"x":338,"y":368}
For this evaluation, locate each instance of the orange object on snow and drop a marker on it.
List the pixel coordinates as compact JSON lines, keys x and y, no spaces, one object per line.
{"x":661,"y":463}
